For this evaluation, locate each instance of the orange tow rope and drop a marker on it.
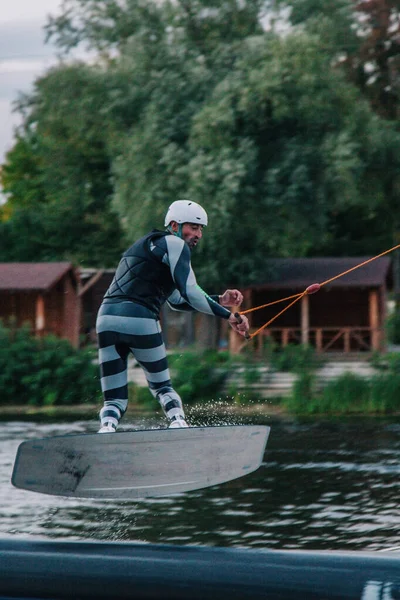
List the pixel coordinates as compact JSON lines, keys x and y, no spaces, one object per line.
{"x":311,"y":289}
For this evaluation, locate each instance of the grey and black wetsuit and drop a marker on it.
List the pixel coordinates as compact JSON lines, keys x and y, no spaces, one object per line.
{"x":154,"y":270}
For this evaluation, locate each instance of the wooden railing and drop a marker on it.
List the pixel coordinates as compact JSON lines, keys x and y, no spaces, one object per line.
{"x":326,"y":339}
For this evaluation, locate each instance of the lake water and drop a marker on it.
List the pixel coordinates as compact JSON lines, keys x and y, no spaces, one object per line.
{"x":324,"y":484}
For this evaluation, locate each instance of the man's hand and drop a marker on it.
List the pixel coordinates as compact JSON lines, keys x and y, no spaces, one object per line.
{"x":231,"y":298}
{"x":242,"y":328}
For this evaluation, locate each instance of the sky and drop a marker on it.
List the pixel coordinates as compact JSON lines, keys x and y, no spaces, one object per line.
{"x":23,"y":56}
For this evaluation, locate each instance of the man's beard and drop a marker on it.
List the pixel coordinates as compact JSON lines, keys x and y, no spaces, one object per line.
{"x":192,"y":244}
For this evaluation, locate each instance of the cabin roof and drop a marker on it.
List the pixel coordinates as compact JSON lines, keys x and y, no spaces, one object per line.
{"x":25,"y":277}
{"x":299,"y":273}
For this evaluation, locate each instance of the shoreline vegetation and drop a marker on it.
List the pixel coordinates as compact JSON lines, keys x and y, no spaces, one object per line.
{"x":47,"y":378}
{"x":88,"y":412}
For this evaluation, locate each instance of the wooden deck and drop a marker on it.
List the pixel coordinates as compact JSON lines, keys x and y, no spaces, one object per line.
{"x":326,"y":339}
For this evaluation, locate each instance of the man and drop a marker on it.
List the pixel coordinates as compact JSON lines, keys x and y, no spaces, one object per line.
{"x":154,"y":270}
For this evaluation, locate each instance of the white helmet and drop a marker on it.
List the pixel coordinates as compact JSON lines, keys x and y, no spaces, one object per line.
{"x":186,"y":211}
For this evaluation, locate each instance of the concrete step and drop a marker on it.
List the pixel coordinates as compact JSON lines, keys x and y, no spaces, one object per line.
{"x":279,"y":383}
{"x":269,"y":383}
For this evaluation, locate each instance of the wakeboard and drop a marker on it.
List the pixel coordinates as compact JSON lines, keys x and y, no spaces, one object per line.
{"x":137,"y":464}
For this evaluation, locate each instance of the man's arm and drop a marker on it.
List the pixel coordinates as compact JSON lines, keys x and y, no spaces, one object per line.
{"x":176,"y":302}
{"x":184,"y":278}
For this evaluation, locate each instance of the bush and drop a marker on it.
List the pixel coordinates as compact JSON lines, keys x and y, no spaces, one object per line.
{"x":393,"y":327}
{"x":295,"y":358}
{"x":197,"y":376}
{"x":43,"y":372}
{"x":385,"y":393}
{"x":349,"y":393}
{"x":302,"y":398}
{"x":389,"y":363}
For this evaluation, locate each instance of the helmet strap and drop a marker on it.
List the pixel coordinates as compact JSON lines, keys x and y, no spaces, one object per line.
{"x":177,"y":233}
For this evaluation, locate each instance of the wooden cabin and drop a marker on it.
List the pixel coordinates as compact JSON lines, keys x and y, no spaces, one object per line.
{"x":94,"y":284}
{"x":45,"y":295}
{"x":346,"y":315}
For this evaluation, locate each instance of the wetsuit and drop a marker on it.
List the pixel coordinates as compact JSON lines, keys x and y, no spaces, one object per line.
{"x":154,"y":270}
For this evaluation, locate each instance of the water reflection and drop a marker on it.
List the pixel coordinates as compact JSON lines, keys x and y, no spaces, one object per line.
{"x":323,"y":485}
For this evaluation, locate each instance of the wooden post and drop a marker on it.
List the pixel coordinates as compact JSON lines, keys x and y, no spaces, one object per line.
{"x":383,"y":303}
{"x":235,"y":342}
{"x":71,"y":310}
{"x":285,"y":337}
{"x":305,"y":319}
{"x":318,"y":339}
{"x":14,"y":312}
{"x":346,"y":336}
{"x":40,"y":316}
{"x":374,"y":318}
{"x":247,"y":301}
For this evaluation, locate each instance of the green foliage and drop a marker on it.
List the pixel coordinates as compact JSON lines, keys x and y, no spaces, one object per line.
{"x":363,"y":38}
{"x":302,"y":398}
{"x":385,"y":393}
{"x":363,"y":45}
{"x":393,"y":327}
{"x":349,"y":393}
{"x":106,"y":26}
{"x":196,"y":99}
{"x":387,"y":363}
{"x":196,"y":376}
{"x":295,"y":358}
{"x":200,"y":377}
{"x":251,"y":374}
{"x":57,"y":177}
{"x":268,"y":348}
{"x":21,"y":176}
{"x":385,"y":385}
{"x":141,"y":397}
{"x":44,"y":372}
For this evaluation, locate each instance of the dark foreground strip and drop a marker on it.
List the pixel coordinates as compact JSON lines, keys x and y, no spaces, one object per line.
{"x":81,"y":570}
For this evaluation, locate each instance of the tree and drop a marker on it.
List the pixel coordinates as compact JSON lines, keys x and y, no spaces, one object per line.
{"x":57,"y":176}
{"x":376,"y":67}
{"x":272,"y":140}
{"x":21,"y":175}
{"x":365,"y":35}
{"x":108,"y":26}
{"x":194,"y":99}
{"x":284,"y":145}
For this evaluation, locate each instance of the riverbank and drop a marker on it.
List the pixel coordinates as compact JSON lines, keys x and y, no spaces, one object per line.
{"x":84,"y":411}
{"x":91,"y":411}
{"x":202,"y":411}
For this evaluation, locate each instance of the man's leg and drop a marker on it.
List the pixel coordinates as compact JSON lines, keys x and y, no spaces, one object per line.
{"x":124,"y":326}
{"x":149,"y":351}
{"x":113,"y":371}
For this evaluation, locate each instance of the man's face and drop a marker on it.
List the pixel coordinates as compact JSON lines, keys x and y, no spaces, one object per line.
{"x":191,"y":233}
